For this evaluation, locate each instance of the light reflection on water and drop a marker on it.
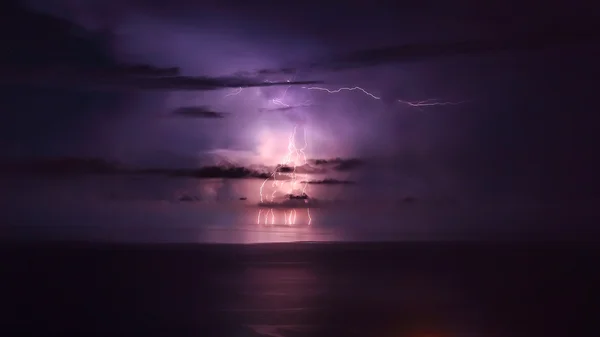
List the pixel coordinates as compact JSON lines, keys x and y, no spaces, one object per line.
{"x":155,"y":209}
{"x":270,"y":216}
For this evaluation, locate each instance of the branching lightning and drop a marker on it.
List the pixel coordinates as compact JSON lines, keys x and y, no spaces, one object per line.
{"x":342,"y":89}
{"x":416,"y":104}
{"x":235,"y":92}
{"x":294,"y":158}
{"x":286,"y":171}
{"x":429,"y":102}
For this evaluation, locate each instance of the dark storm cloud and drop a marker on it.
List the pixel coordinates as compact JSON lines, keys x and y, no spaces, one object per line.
{"x":422,"y":51}
{"x":37,"y":119}
{"x":339,"y":164}
{"x":92,"y":165}
{"x":127,"y":78}
{"x":144,"y":70}
{"x":197,"y":112}
{"x":329,"y":181}
{"x":416,"y":52}
{"x":286,"y":108}
{"x":513,"y":124}
{"x":44,"y":50}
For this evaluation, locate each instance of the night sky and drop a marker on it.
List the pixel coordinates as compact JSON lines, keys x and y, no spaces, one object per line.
{"x":521,"y":77}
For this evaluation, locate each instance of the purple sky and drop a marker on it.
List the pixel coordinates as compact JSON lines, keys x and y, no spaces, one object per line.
{"x":523,"y":115}
{"x":217,"y":42}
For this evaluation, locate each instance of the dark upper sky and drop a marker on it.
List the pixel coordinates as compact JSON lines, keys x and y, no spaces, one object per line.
{"x":524,"y":74}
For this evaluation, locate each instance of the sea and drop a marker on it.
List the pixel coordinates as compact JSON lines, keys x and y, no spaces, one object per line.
{"x":150,"y":256}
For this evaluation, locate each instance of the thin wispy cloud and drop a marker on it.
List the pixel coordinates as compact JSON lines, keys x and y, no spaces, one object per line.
{"x":128,"y":78}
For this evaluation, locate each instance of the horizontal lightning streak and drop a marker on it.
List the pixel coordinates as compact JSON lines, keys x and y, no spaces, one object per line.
{"x":424,"y":103}
{"x":342,"y":89}
{"x":429,"y":102}
{"x":297,"y":155}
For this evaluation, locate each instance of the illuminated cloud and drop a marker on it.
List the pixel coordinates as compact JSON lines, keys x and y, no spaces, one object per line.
{"x":285,"y":108}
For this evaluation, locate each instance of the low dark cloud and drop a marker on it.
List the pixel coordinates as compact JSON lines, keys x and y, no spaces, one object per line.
{"x":207,"y":172}
{"x":138,"y":77}
{"x":420,"y":51}
{"x":72,"y":166}
{"x":330,"y":181}
{"x":91,"y":165}
{"x":197,"y":112}
{"x":323,"y":166}
{"x":339,"y":164}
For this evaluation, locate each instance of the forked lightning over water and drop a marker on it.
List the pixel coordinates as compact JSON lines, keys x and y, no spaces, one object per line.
{"x":287,"y":168}
{"x":297,"y":157}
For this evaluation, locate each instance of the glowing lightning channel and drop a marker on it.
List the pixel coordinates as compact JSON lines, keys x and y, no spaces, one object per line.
{"x":294,"y":156}
{"x":279,"y":101}
{"x":298,"y":154}
{"x":235,"y":92}
{"x":342,"y":89}
{"x":417,"y":104}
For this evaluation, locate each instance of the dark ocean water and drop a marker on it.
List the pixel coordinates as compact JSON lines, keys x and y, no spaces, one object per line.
{"x":139,"y":262}
{"x":299,"y":289}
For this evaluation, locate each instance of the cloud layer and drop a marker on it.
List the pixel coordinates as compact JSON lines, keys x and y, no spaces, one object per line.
{"x":422,"y":51}
{"x":197,"y":112}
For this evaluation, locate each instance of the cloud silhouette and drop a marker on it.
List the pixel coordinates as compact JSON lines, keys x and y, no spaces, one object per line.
{"x":97,"y":166}
{"x":139,"y":77}
{"x":415,"y":52}
{"x":421,"y":51}
{"x":330,"y":181}
{"x":47,"y":51}
{"x":90,"y":165}
{"x":338,"y":164}
{"x":197,"y":112}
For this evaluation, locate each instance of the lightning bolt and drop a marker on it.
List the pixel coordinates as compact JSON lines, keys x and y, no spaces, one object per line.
{"x":342,"y":89}
{"x":295,"y":157}
{"x":430,"y":102}
{"x":235,"y":92}
{"x":278,"y":101}
{"x":416,"y":104}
